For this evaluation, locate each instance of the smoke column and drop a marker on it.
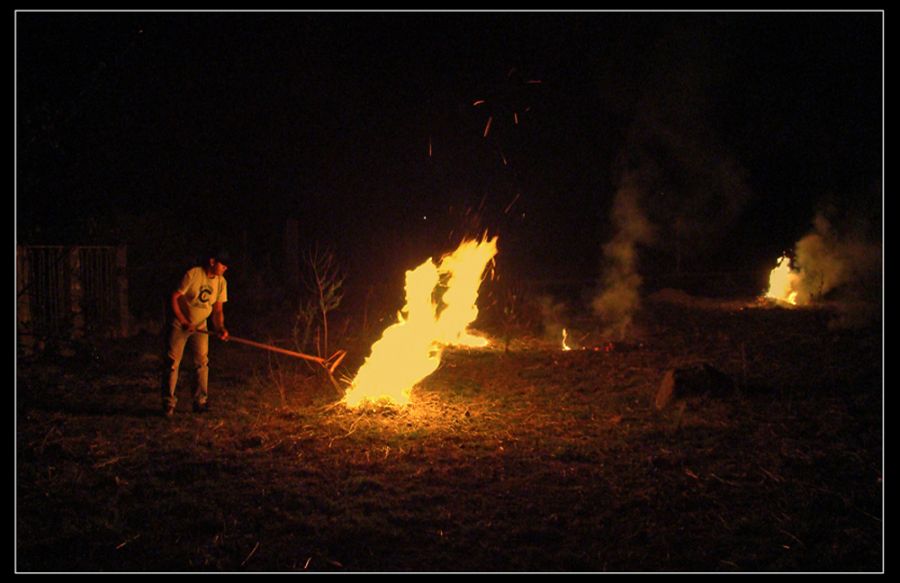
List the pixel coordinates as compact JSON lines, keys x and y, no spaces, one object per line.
{"x":620,"y":296}
{"x":845,"y":265}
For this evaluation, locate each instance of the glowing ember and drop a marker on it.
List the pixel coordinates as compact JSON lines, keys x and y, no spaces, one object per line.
{"x":410,"y":350}
{"x":565,"y":337}
{"x":783,"y":281}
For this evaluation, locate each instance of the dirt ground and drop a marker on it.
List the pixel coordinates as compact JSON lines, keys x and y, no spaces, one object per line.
{"x":518,"y":458}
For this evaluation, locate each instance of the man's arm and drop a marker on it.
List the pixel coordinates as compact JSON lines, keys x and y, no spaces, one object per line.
{"x":219,"y":320}
{"x":179,"y":314}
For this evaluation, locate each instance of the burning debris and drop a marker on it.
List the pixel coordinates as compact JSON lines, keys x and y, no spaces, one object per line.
{"x":602,"y":346}
{"x":440,"y":304}
{"x":783,"y":282}
{"x":565,"y":337}
{"x":824,"y":262}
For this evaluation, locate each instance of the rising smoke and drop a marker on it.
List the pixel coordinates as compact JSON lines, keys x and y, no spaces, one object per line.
{"x":828,"y":260}
{"x":674,"y":175}
{"x":843,"y":265}
{"x":553,"y":316}
{"x":619,"y":298}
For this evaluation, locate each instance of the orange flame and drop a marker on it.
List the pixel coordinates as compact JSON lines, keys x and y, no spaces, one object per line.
{"x":565,"y":346}
{"x":783,"y":281}
{"x":410,"y":350}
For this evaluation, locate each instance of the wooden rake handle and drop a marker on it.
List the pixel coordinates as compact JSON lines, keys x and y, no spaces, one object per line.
{"x":329,"y":363}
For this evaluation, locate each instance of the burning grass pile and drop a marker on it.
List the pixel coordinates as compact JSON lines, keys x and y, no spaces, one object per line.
{"x":526,"y":459}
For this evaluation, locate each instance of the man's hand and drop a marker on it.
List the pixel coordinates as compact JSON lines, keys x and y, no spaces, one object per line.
{"x":223,"y":334}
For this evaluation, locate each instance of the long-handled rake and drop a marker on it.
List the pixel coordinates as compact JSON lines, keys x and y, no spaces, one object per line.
{"x":328,"y":364}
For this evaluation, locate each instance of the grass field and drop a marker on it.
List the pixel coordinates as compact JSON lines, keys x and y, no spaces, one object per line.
{"x":526,"y":459}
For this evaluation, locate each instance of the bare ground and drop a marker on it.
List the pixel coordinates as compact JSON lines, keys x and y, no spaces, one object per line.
{"x":531,"y":459}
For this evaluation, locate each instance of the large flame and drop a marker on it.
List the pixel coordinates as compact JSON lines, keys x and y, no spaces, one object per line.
{"x":410,"y":350}
{"x":783,"y":282}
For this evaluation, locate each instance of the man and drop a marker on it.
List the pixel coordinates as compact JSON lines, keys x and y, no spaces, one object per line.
{"x":203,"y":291}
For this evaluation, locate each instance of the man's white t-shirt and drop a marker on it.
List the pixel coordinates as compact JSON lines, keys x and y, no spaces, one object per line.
{"x":200,"y":293}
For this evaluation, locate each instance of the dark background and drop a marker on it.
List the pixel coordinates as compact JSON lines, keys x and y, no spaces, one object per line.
{"x":174,"y":132}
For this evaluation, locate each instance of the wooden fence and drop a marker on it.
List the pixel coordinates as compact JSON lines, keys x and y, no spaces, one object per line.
{"x":71,"y":292}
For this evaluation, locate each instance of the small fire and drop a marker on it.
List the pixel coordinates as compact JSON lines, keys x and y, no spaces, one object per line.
{"x":783,"y":281}
{"x":565,"y":337}
{"x":410,"y":350}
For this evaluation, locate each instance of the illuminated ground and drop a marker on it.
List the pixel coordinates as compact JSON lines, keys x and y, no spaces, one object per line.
{"x":526,"y":460}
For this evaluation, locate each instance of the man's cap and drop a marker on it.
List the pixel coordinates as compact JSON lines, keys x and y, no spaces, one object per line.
{"x":221,"y":255}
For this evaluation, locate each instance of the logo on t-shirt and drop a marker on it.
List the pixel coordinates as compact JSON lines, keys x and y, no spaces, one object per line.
{"x":205,"y":292}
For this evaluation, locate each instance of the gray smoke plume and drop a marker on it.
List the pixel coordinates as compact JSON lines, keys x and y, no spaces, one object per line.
{"x":842,"y":265}
{"x":620,"y":296}
{"x":827,"y":261}
{"x":674,"y":173}
{"x":553,"y":316}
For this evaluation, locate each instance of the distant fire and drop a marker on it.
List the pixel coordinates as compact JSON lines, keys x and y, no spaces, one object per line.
{"x":565,"y":345}
{"x":783,"y":282}
{"x":440,"y":304}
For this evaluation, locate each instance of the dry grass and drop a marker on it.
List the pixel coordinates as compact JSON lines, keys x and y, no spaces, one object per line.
{"x":529,"y":460}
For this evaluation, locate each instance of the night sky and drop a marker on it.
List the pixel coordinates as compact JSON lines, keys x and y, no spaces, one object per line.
{"x":170,"y":130}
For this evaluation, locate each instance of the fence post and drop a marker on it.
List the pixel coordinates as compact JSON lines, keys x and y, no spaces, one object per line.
{"x":76,"y":292}
{"x":122,"y":281}
{"x":23,"y":300}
